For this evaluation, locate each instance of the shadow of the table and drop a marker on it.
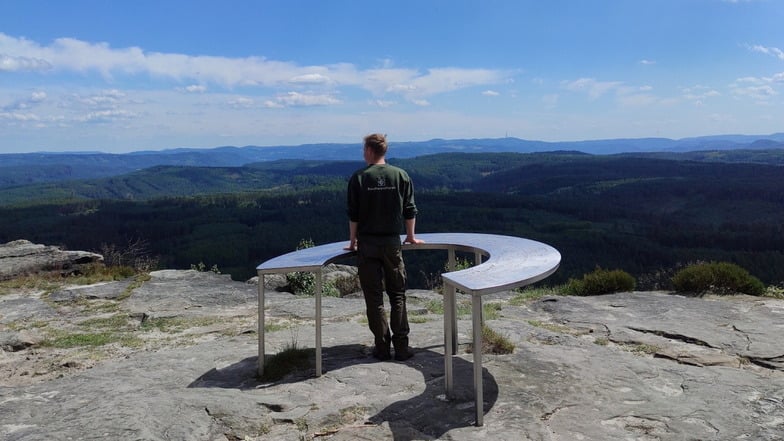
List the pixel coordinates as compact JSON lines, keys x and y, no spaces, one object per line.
{"x":429,"y":412}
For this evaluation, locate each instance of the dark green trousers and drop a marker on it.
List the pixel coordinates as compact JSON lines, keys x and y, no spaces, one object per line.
{"x":381,"y":266}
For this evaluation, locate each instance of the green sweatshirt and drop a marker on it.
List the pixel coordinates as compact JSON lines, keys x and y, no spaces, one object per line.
{"x":380,"y":199}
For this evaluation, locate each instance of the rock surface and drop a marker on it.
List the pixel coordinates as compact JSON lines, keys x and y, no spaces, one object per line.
{"x":179,"y":363}
{"x":22,"y":257}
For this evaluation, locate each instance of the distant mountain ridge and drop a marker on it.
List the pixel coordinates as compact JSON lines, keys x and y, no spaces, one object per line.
{"x":29,"y":168}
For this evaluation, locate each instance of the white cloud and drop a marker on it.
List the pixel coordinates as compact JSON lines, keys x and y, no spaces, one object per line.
{"x":71,"y":55}
{"x":381,"y":81}
{"x":401,"y":88}
{"x":773,"y":51}
{"x":759,"y":93}
{"x":242,"y":103}
{"x":698,"y":94}
{"x":415,"y":86}
{"x":440,"y":80}
{"x":382,"y":103}
{"x":17,"y":116}
{"x":103,"y":99}
{"x":272,"y":104}
{"x":625,"y":96}
{"x":34,"y":99}
{"x":303,"y":99}
{"x":592,"y":87}
{"x":38,"y":97}
{"x":105,"y":116}
{"x":195,"y":88}
{"x":490,"y":93}
{"x":647,"y":62}
{"x":16,"y":64}
{"x":761,"y":89}
{"x":421,"y":102}
{"x":312,"y":78}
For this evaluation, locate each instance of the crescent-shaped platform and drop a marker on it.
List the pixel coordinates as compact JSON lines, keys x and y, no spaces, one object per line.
{"x":501,"y":263}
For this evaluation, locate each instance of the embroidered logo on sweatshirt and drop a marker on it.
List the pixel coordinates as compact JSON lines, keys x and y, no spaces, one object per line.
{"x":381,"y":184}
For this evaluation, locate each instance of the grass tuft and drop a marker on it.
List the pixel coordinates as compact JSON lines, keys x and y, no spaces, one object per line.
{"x":290,"y":359}
{"x":494,"y":343}
{"x":530,"y":294}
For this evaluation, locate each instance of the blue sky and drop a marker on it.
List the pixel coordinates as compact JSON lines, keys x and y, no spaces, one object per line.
{"x":118,"y":76}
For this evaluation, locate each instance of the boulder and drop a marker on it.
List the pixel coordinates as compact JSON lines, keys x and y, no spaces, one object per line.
{"x":21,"y":257}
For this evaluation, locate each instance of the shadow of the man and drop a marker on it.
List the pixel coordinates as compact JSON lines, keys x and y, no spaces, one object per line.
{"x":430,"y":413}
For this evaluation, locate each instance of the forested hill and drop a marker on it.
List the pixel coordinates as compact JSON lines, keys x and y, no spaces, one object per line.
{"x":643,"y":215}
{"x":449,"y":171}
{"x":171,"y":181}
{"x":563,"y":173}
{"x":30,"y":168}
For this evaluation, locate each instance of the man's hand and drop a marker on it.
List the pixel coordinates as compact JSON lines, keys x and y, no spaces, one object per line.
{"x":352,"y":246}
{"x":410,"y":239}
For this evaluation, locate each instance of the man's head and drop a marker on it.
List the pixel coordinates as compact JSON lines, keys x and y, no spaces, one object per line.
{"x":376,"y":145}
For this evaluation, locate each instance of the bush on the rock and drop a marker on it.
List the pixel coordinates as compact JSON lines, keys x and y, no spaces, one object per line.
{"x":599,"y":282}
{"x":718,"y":278}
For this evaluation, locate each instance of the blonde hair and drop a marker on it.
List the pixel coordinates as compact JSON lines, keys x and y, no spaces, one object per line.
{"x":377,"y":143}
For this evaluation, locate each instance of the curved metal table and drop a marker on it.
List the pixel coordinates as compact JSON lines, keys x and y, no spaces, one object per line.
{"x":502,"y":263}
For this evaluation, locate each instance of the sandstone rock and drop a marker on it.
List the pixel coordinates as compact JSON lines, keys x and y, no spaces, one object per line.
{"x":272,"y":282}
{"x":16,"y":341}
{"x":21,"y":257}
{"x":638,"y":366}
{"x":15,"y":308}
{"x":112,"y":290}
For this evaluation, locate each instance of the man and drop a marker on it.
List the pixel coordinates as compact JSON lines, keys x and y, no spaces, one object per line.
{"x":380,"y":205}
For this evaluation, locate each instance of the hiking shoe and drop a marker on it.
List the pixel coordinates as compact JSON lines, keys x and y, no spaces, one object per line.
{"x":381,"y":354}
{"x":403,"y":355}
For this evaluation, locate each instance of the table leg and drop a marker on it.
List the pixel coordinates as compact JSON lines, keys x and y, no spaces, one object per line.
{"x":451,"y":265}
{"x":449,"y":350}
{"x":477,"y":262}
{"x":476,"y":304}
{"x":318,"y":323}
{"x":261,"y":326}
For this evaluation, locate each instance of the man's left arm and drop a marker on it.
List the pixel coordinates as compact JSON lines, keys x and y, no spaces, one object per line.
{"x":352,"y":209}
{"x":411,"y":232}
{"x":409,"y":213}
{"x":352,"y":236}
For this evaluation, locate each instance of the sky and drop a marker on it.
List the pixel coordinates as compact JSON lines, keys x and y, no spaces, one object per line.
{"x":120,"y":76}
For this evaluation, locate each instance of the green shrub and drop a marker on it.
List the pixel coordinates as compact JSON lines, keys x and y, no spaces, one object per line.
{"x":202,"y":268}
{"x":599,"y":282}
{"x":777,"y":292}
{"x":718,"y":278}
{"x":302,"y":282}
{"x":328,"y":289}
